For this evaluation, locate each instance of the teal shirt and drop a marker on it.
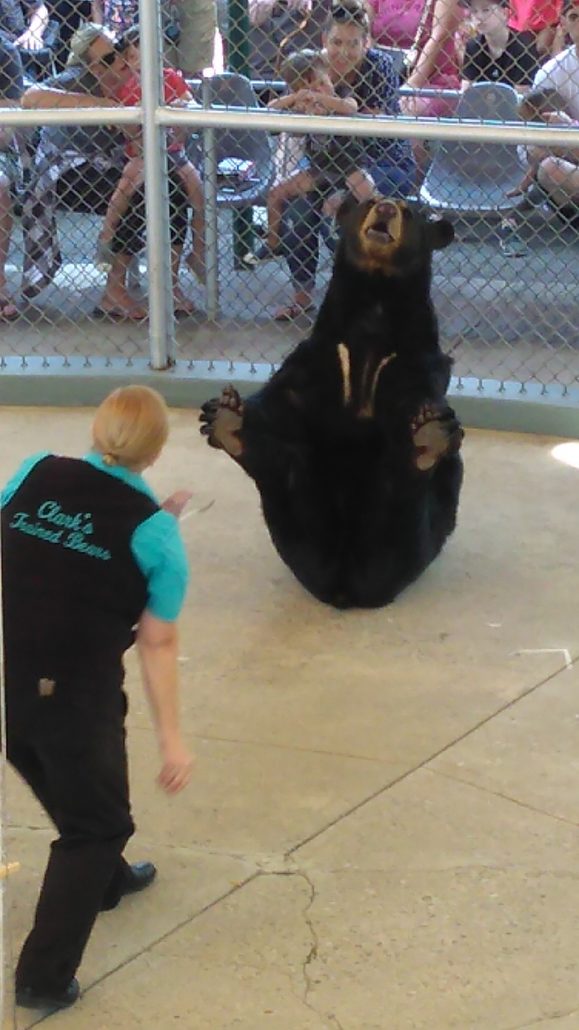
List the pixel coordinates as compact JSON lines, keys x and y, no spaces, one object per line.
{"x":156,"y":544}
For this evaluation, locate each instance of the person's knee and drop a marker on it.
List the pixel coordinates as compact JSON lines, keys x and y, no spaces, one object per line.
{"x":553,"y":173}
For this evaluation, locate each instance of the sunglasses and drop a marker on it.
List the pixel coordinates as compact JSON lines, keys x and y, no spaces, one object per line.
{"x":109,"y":58}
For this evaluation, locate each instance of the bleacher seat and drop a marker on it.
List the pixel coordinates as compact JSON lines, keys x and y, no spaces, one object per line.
{"x":477,"y":176}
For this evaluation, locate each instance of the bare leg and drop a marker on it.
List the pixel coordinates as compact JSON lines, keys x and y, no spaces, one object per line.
{"x":116,"y":299}
{"x":192,"y":181}
{"x":296,"y":186}
{"x":129,"y":182}
{"x":560,"y":178}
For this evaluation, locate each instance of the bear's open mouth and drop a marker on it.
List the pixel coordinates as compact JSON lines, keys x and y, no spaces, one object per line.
{"x":380,"y":230}
{"x":384,"y":223}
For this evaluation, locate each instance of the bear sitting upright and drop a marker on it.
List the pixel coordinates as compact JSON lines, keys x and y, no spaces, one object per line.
{"x":352,"y":444}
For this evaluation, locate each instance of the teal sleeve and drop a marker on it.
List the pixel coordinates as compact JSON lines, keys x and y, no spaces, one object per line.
{"x":159,"y":551}
{"x":19,"y":476}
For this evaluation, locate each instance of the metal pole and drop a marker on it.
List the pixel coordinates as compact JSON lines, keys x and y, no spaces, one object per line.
{"x":210,"y":198}
{"x":161,"y":314}
{"x":238,"y":61}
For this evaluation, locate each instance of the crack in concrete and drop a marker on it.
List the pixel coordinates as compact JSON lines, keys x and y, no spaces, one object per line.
{"x":550,"y":1017}
{"x":332,"y":1021}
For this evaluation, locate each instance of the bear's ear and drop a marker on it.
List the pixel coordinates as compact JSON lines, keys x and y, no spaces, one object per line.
{"x":440,"y":233}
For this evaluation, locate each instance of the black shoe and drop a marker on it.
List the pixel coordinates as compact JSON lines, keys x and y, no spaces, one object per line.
{"x":139,"y":875}
{"x":28,"y":998}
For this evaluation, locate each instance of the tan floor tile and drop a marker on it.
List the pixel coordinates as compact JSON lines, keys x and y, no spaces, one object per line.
{"x":440,"y":907}
{"x":249,"y":799}
{"x":238,"y":967}
{"x":530,"y":752}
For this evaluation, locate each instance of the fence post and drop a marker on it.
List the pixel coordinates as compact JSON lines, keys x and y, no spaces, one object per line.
{"x":210,"y":198}
{"x":238,"y":53}
{"x":161,"y":312}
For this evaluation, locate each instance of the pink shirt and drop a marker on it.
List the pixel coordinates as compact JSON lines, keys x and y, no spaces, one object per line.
{"x":535,"y":14}
{"x":396,"y":22}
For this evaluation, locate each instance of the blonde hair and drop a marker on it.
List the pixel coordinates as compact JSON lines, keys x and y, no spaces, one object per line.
{"x":131,"y":426}
{"x":82,"y":40}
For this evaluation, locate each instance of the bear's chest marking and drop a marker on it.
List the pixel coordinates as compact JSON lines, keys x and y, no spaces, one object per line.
{"x":365,"y":389}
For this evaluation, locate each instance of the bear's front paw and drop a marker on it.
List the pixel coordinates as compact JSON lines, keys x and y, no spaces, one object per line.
{"x":436,"y":433}
{"x":221,"y":421}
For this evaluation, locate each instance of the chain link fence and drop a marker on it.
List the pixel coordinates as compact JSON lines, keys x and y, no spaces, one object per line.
{"x":240,"y":212}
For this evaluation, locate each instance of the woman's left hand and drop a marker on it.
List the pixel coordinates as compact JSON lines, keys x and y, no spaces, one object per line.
{"x":176,"y":502}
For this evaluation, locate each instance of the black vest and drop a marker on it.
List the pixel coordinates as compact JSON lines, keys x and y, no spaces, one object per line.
{"x":72,"y":590}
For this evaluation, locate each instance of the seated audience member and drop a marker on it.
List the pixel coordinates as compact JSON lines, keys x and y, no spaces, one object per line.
{"x":562,"y":72}
{"x":32,"y":28}
{"x":314,"y":162}
{"x":367,"y":76}
{"x":556,"y":169}
{"x":497,"y":53}
{"x":10,"y":93}
{"x":94,"y":74}
{"x":541,"y":17}
{"x":426,"y":28}
{"x":177,"y":94}
{"x":277,"y":30}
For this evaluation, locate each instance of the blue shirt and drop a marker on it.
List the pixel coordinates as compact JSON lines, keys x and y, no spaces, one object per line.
{"x":375,"y":86}
{"x":156,"y":544}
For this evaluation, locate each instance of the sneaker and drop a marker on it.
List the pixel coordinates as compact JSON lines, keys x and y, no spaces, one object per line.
{"x":255,"y":257}
{"x":510,"y":242}
{"x":28,"y":998}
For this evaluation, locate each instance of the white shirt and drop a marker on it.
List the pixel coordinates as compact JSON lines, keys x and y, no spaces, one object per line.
{"x":562,"y":73}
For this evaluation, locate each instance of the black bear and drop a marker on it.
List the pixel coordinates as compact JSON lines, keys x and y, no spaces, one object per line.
{"x":352,"y":444}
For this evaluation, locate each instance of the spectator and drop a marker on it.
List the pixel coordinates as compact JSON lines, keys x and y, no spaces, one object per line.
{"x":96,"y":70}
{"x":497,"y":53}
{"x":90,"y":565}
{"x":557,"y":170}
{"x":190,"y":27}
{"x":426,"y":28}
{"x":32,"y":29}
{"x":562,"y":72}
{"x":10,"y":92}
{"x":281,"y":27}
{"x":324,"y":162}
{"x":177,"y":93}
{"x":541,"y":17}
{"x":367,"y":76}
{"x":115,"y":15}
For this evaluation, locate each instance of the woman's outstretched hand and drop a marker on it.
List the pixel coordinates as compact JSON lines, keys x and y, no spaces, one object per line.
{"x":176,"y":502}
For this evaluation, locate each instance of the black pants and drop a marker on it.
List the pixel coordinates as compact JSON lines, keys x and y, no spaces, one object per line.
{"x":75,"y":761}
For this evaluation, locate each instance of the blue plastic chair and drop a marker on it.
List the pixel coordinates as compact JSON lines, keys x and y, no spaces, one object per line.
{"x":477,"y":176}
{"x":236,"y":147}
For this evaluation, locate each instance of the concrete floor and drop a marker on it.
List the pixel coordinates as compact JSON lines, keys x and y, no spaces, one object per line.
{"x":382,"y":830}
